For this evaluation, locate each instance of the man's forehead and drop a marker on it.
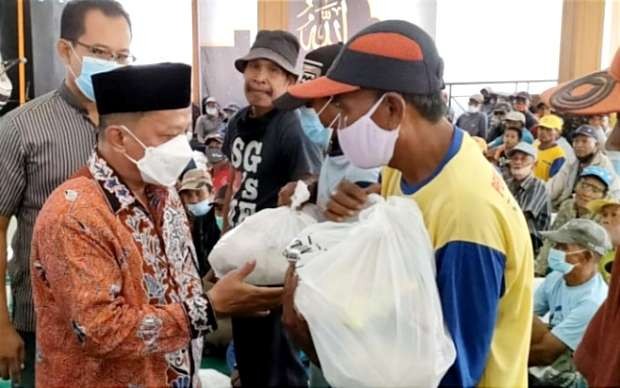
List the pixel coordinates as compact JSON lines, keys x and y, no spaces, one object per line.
{"x":112,"y":32}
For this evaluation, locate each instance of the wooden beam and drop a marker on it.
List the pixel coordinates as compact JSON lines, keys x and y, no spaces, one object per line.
{"x":21,"y":51}
{"x":196,"y":73}
{"x":582,"y":38}
{"x":272,"y":15}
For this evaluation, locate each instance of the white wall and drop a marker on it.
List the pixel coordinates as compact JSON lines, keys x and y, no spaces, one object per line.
{"x":499,"y":40}
{"x":162,"y":30}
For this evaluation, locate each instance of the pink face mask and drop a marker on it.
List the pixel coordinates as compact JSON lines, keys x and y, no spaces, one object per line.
{"x":366,"y":144}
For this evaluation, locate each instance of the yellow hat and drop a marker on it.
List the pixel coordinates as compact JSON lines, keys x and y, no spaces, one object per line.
{"x":597,"y":205}
{"x":551,"y":121}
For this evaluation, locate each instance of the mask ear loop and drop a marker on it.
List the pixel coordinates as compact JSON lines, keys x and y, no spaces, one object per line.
{"x":76,"y":56}
{"x":136,"y":139}
{"x":325,"y":106}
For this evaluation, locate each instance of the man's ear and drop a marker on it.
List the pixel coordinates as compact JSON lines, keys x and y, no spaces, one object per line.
{"x":395,"y":104}
{"x":114,"y":136}
{"x":63,"y":49}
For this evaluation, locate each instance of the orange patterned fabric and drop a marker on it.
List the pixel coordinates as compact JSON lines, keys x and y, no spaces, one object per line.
{"x":116,"y":289}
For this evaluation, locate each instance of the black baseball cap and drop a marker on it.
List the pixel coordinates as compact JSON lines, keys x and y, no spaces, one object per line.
{"x":391,"y":55}
{"x":316,"y":64}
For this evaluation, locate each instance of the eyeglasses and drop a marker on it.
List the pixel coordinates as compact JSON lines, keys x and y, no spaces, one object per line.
{"x":104,"y":53}
{"x":588,"y":186}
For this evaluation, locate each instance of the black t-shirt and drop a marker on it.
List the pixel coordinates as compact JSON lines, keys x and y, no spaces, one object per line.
{"x":269,"y":151}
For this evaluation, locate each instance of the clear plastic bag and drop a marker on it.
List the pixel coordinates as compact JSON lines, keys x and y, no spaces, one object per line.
{"x":368,"y":293}
{"x":262,"y":237}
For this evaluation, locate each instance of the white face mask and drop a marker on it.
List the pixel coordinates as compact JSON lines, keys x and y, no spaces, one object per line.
{"x":162,"y":165}
{"x":211,"y":111}
{"x":366,"y":144}
{"x":474,"y":109}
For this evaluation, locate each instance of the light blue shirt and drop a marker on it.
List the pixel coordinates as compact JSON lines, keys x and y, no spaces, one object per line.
{"x":570,"y":308}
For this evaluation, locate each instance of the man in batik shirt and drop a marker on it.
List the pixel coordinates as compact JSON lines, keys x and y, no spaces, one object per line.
{"x":117,"y":294}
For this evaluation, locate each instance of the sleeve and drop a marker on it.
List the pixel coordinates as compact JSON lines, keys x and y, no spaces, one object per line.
{"x":303,"y":156}
{"x":570,"y":331}
{"x":558,"y":182}
{"x":12,"y":165}
{"x":83,"y":273}
{"x":556,"y":166}
{"x":470,"y":278}
{"x":541,"y":303}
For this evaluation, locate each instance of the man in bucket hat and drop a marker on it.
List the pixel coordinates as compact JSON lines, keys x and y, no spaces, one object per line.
{"x":268,"y":148}
{"x":598,"y":356}
{"x":387,"y":84}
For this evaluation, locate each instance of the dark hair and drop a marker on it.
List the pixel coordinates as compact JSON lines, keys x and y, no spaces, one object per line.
{"x":430,"y":106}
{"x":518,"y":131}
{"x":74,"y":14}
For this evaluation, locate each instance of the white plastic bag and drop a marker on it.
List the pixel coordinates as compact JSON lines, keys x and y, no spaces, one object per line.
{"x":368,"y":292}
{"x":262,"y":237}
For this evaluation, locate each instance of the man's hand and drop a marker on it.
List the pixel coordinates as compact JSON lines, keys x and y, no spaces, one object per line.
{"x":231,"y":295}
{"x":346,"y":201}
{"x":286,"y":194}
{"x":295,"y":324}
{"x":12,"y":354}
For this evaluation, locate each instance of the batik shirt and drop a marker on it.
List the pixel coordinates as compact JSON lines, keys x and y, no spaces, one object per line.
{"x":116,"y":288}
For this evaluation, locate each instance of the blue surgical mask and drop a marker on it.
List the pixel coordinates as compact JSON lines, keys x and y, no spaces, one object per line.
{"x":90,"y":67}
{"x":219,"y":220}
{"x":312,"y":126}
{"x":199,"y":209}
{"x":557,"y":261}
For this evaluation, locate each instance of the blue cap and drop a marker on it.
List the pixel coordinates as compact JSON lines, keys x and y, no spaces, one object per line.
{"x":599,"y":172}
{"x":586,"y":130}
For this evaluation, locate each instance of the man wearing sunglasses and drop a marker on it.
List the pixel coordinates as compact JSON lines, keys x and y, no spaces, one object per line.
{"x":43,"y":143}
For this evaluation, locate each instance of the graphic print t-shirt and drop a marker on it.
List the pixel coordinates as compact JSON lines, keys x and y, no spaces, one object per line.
{"x":269,"y":152}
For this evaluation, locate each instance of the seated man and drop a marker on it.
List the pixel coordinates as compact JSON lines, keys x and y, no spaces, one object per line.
{"x":608,"y":210}
{"x":529,"y":191}
{"x":589,"y":153}
{"x":598,"y":356}
{"x":496,"y":120}
{"x":474,"y":121}
{"x":115,"y":283}
{"x":196,"y":190}
{"x":516,"y":120}
{"x":593,"y":184}
{"x":499,"y":156}
{"x":571,"y":294}
{"x":551,"y":156}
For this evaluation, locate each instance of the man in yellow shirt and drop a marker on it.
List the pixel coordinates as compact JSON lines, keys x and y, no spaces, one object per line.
{"x":551,"y":156}
{"x":386,"y":85}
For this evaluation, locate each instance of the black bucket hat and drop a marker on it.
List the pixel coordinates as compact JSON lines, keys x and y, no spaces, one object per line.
{"x":280,"y":47}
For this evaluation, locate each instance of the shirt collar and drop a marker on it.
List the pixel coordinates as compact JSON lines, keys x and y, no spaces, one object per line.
{"x":527,"y":182}
{"x":118,"y":195}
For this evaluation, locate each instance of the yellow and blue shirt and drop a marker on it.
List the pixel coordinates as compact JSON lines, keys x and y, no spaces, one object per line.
{"x":549,"y":161}
{"x":484,"y":264}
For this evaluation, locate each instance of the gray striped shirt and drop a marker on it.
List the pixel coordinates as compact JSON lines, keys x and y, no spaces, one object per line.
{"x":42,"y":143}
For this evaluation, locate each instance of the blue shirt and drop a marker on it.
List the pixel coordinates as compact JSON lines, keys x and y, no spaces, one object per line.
{"x":570,"y":308}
